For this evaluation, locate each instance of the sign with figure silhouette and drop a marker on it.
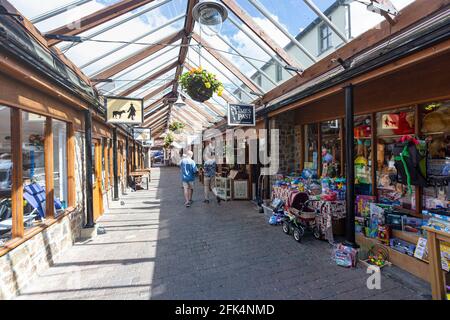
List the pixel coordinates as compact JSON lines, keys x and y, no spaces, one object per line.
{"x":124,"y":110}
{"x":241,"y":115}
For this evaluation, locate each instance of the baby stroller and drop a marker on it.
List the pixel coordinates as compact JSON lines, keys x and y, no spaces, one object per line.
{"x":300,"y":218}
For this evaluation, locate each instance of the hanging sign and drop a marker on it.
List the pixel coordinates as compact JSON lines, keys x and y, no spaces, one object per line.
{"x":241,"y":115}
{"x":141,"y":134}
{"x":124,"y":110}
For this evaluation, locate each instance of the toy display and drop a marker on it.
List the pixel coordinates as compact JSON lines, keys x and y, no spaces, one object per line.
{"x":402,"y":246}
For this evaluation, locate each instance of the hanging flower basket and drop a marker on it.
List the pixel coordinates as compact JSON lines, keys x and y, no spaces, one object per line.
{"x":176,"y":126}
{"x":200,"y":84}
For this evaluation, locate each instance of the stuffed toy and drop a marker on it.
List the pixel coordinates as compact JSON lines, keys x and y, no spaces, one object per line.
{"x":437,"y":121}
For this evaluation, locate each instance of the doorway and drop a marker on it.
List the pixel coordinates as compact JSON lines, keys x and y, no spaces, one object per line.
{"x":97,"y":179}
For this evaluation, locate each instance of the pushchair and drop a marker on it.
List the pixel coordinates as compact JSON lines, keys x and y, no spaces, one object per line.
{"x":301,"y":217}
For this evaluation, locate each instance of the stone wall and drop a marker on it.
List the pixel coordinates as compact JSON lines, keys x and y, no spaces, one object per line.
{"x":22,"y":264}
{"x":289,"y":143}
{"x":25,"y":262}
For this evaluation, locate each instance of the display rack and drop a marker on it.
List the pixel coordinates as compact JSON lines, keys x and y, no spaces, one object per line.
{"x":223,"y":188}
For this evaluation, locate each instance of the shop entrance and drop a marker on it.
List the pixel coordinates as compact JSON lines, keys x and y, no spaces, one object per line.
{"x":97,"y":178}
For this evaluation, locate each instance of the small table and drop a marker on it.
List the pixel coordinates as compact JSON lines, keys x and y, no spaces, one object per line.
{"x":438,"y":290}
{"x":141,"y":174}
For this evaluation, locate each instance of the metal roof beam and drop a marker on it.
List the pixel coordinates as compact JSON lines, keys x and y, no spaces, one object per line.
{"x":267,"y":14}
{"x":97,"y":18}
{"x":57,"y":11}
{"x":116,"y":24}
{"x":325,"y":19}
{"x":140,"y":55}
{"x":149,"y":79}
{"x":107,"y":54}
{"x":188,"y":28}
{"x":227,"y":64}
{"x":259,"y":32}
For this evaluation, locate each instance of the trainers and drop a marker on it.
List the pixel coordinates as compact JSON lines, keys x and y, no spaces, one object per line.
{"x":206,"y":201}
{"x":187,"y":204}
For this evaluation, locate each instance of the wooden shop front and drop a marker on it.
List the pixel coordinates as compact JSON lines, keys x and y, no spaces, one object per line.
{"x":408,"y":96}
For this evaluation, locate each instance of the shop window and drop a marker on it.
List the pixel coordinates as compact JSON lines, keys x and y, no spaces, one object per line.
{"x":60,"y":163}
{"x":311,"y":148}
{"x":331,"y":148}
{"x":363,"y":155}
{"x":435,"y":130}
{"x":391,"y":126}
{"x":6,"y":166}
{"x":33,"y":136}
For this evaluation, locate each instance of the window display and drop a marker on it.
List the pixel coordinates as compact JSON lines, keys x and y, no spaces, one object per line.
{"x":311,"y":148}
{"x":33,"y":133}
{"x":59,"y":161}
{"x":5,"y":176}
{"x":363,"y":155}
{"x":436,"y":132}
{"x":331,"y":148}
{"x":391,"y":127}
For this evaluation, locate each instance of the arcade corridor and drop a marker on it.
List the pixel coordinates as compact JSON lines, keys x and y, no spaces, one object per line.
{"x":155,"y":248}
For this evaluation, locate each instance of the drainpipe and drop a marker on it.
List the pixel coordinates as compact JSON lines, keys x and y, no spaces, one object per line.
{"x":89,"y":173}
{"x":267,"y":178}
{"x":127,"y":156}
{"x":115,"y":167}
{"x":350,"y":166}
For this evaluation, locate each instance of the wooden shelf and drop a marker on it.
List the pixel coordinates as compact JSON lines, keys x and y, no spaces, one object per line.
{"x":406,"y":236}
{"x":413,"y":265}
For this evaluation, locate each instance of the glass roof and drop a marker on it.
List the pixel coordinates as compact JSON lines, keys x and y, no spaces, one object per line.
{"x":294,"y":29}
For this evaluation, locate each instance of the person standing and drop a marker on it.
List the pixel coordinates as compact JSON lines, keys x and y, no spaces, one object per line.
{"x":188,"y":170}
{"x":209,"y":170}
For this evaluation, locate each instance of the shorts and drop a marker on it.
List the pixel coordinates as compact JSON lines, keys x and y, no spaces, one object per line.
{"x":209,"y":182}
{"x":188,"y":184}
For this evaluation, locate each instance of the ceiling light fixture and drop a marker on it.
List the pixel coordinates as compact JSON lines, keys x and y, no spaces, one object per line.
{"x":211,"y":15}
{"x":179,"y":103}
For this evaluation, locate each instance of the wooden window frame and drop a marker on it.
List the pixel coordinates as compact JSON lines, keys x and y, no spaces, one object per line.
{"x":18,"y":232}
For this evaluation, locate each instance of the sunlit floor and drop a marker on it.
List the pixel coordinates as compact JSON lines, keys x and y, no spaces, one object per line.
{"x":155,"y":248}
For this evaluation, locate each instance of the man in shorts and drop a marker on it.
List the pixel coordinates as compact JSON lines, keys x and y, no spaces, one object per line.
{"x":209,"y":169}
{"x":188,"y":170}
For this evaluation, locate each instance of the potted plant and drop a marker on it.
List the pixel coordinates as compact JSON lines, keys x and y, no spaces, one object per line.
{"x":200,"y":84}
{"x":176,"y":126}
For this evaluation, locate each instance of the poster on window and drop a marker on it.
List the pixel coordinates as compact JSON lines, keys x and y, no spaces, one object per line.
{"x":142,"y":134}
{"x":390,"y":121}
{"x":124,"y":110}
{"x":241,"y":115}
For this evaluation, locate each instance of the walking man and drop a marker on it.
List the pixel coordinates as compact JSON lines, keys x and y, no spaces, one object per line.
{"x":209,"y":169}
{"x":188,"y":170}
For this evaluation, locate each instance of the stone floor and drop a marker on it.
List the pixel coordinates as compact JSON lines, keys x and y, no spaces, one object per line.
{"x":155,"y":248}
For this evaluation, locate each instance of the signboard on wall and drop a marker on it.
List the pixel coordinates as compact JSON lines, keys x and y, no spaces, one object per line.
{"x":241,"y":115}
{"x":124,"y":110}
{"x":141,"y":134}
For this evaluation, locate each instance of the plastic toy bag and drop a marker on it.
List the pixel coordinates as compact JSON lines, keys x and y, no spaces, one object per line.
{"x":344,"y":256}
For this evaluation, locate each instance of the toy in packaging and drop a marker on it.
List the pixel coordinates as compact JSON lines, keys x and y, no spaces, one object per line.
{"x":345,"y":256}
{"x":402,"y":246}
{"x":363,"y":205}
{"x":384,"y":233}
